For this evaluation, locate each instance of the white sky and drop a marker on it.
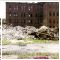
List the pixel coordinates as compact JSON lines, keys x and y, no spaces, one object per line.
{"x":3,"y":5}
{"x":2,"y":10}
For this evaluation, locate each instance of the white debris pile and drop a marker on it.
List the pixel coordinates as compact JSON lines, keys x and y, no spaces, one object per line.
{"x":30,"y":29}
{"x":17,"y":32}
{"x":42,"y":29}
{"x":10,"y":32}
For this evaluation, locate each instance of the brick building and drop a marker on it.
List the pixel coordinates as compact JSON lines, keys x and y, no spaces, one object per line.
{"x":24,"y":14}
{"x":51,"y":14}
{"x":32,"y":14}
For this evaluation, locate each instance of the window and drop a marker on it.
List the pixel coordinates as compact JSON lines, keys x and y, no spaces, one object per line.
{"x":15,"y":14}
{"x":57,"y":22}
{"x":53,"y":26}
{"x":29,"y":8}
{"x":50,"y":26}
{"x":53,"y":13}
{"x":24,"y":21}
{"x":50,"y":21}
{"x":31,"y":15}
{"x":36,"y":15}
{"x":49,"y":13}
{"x":21,"y":14}
{"x":9,"y":14}
{"x":24,"y":14}
{"x":22,"y":8}
{"x":9,"y":7}
{"x":31,"y":21}
{"x":15,"y":7}
{"x":54,"y":21}
{"x":38,"y":21}
{"x":9,"y":20}
{"x":57,"y":14}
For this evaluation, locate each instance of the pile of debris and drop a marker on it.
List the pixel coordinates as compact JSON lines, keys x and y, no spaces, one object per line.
{"x":45,"y":33}
{"x":10,"y":32}
{"x":18,"y":32}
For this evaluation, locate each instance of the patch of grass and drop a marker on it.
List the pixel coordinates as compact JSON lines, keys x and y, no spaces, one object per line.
{"x":21,"y":44}
{"x":55,"y":56}
{"x":9,"y":53}
{"x":20,"y":39}
{"x":6,"y":53}
{"x":42,"y":41}
{"x":6,"y":42}
{"x":28,"y":41}
{"x":31,"y":55}
{"x":26,"y":55}
{"x":37,"y":40}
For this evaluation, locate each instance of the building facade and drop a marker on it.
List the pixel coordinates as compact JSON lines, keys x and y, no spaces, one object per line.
{"x":51,"y":14}
{"x":32,"y":14}
{"x":24,"y":14}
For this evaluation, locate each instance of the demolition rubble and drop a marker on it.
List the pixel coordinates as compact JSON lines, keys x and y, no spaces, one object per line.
{"x":18,"y":32}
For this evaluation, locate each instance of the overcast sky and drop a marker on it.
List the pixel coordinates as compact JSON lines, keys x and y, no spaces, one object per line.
{"x":2,"y":9}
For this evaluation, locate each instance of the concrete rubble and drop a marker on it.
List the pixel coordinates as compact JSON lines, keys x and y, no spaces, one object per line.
{"x":18,"y":32}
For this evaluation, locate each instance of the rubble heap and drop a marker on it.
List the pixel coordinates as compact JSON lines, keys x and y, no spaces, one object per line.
{"x":18,"y":32}
{"x":45,"y":33}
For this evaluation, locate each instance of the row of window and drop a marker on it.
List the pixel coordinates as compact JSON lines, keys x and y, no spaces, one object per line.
{"x":25,"y":21}
{"x":22,"y":15}
{"x":26,"y":15}
{"x":30,"y":15}
{"x":52,"y":22}
{"x":53,"y":14}
{"x":22,"y":8}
